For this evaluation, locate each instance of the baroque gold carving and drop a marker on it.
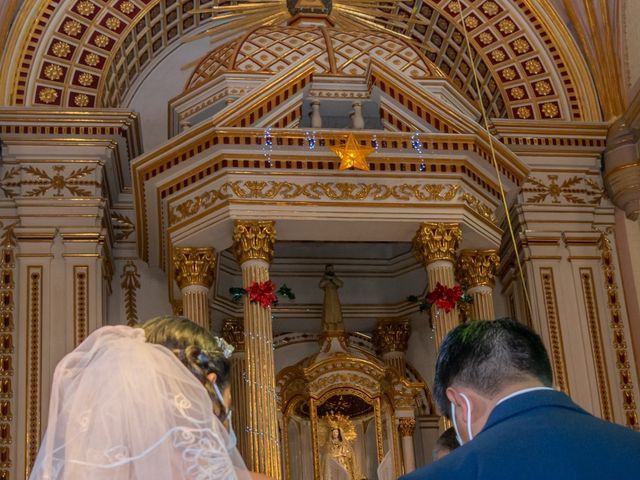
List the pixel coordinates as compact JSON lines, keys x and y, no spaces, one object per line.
{"x":194,"y":266}
{"x":130,"y":285}
{"x":81,"y":303}
{"x":577,"y":190}
{"x":34,"y":343}
{"x":254,"y":239}
{"x":74,"y":183}
{"x":480,"y":208}
{"x":122,"y":225}
{"x":478,"y":267}
{"x":557,"y":349}
{"x":252,"y":189}
{"x":436,"y":241}
{"x":406,"y":426}
{"x":233,"y":333}
{"x":392,"y":335}
{"x":618,"y":333}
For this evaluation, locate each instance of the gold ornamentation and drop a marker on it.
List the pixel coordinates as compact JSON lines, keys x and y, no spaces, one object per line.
{"x":406,"y":426}
{"x":101,"y":41}
{"x":254,"y":240}
{"x":454,"y":7}
{"x":618,"y":332}
{"x":578,"y":190}
{"x":285,"y":190}
{"x":72,"y":28}
{"x":480,"y":208}
{"x":91,"y":59}
{"x":533,"y":66}
{"x":113,"y":23}
{"x":436,"y":241}
{"x":352,"y":154}
{"x":233,"y":333}
{"x":508,"y":73}
{"x":542,"y":87}
{"x":33,"y":377}
{"x":130,"y":285}
{"x":523,"y":112}
{"x":81,"y":100}
{"x":85,"y":79}
{"x":471,"y":22}
{"x":557,"y":349}
{"x":517,"y":92}
{"x":86,"y":8}
{"x":392,"y":335}
{"x":81,"y":303}
{"x":194,"y":266}
{"x":122,"y":225}
{"x":506,"y":26}
{"x":53,"y":72}
{"x":593,"y":317}
{"x":48,"y":95}
{"x":498,"y":55}
{"x":521,"y":46}
{"x":127,"y":7}
{"x":486,"y":38}
{"x":74,"y":182}
{"x":549,"y":110}
{"x":490,"y":8}
{"x":477,"y":267}
{"x":61,"y":49}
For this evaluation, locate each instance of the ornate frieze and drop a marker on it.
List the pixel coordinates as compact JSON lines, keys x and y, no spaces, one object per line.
{"x":574,"y":189}
{"x":555,"y":334}
{"x":54,"y":180}
{"x":254,"y":240}
{"x":194,"y":266}
{"x":436,"y":241}
{"x":392,"y":335}
{"x":130,"y":284}
{"x":477,"y":267}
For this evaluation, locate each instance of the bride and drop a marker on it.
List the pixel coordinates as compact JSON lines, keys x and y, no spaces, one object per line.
{"x":140,"y":404}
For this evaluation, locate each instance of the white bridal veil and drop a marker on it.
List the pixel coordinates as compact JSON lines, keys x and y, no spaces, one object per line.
{"x":125,"y":409}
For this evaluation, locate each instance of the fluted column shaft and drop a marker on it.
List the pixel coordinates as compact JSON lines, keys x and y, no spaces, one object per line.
{"x":406,"y":428}
{"x":232,"y":332}
{"x":253,"y":247}
{"x":442,"y":271}
{"x":477,"y":269}
{"x":194,"y":270}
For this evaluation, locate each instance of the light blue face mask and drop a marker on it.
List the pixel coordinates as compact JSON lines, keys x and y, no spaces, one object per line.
{"x":233,"y":439}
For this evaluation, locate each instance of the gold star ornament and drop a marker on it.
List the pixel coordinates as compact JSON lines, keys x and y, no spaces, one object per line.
{"x":352,"y":154}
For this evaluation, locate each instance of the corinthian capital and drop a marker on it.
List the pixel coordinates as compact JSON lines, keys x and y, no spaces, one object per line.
{"x":233,"y":333}
{"x":392,"y":335}
{"x":254,"y":240}
{"x":436,"y":241}
{"x":407,"y":426}
{"x":478,"y":267}
{"x":194,"y":266}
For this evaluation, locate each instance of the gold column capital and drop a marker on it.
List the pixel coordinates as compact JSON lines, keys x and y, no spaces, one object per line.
{"x":254,"y":240}
{"x":392,"y":335}
{"x":477,"y":267}
{"x":233,"y":333}
{"x":406,"y":426}
{"x":436,"y":241}
{"x":194,"y":266}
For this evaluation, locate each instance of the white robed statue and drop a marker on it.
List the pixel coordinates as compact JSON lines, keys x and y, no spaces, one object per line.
{"x":337,"y":434}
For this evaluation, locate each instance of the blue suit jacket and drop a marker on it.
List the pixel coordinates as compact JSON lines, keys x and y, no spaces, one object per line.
{"x":541,"y":435}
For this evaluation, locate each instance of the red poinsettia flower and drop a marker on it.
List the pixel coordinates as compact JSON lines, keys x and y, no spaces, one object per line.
{"x":444,"y":297}
{"x":262,"y":293}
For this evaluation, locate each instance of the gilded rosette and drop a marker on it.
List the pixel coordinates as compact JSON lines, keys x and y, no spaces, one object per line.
{"x":254,"y":240}
{"x":392,"y":335}
{"x":477,"y":267}
{"x":194,"y":266}
{"x":233,"y":333}
{"x":436,"y":241}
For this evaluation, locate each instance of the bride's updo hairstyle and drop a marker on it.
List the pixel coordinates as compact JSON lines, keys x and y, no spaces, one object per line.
{"x":199,"y":351}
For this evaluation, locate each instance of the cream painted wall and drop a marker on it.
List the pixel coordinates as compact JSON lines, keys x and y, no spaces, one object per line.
{"x":632,"y":43}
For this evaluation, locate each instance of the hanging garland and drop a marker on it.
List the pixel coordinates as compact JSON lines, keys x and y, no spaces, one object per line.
{"x":264,"y":293}
{"x":445,"y":298}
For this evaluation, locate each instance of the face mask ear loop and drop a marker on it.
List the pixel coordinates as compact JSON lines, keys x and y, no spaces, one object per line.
{"x":455,"y":423}
{"x":466,"y":399}
{"x":221,"y":400}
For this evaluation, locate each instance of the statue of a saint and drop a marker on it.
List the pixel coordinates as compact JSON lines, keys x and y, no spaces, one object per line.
{"x":331,"y":311}
{"x":338,"y":459}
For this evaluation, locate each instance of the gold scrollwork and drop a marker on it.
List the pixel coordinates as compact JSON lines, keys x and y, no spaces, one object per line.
{"x":34,"y":344}
{"x":81,"y":302}
{"x":392,"y":335}
{"x":194,"y":266}
{"x":130,"y":285}
{"x":436,"y":241}
{"x":557,"y":349}
{"x":254,"y":240}
{"x":578,"y":190}
{"x":480,"y":208}
{"x":478,"y":267}
{"x":406,"y":426}
{"x":74,"y":183}
{"x":233,"y":333}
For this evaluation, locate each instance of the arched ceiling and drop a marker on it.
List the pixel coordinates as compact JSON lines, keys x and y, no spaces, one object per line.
{"x":89,"y":53}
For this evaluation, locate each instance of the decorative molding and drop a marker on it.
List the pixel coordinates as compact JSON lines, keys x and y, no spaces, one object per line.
{"x":578,"y":190}
{"x":618,"y":332}
{"x":42,"y":182}
{"x":555,"y":334}
{"x":254,"y":239}
{"x":80,"y":303}
{"x":436,"y":241}
{"x":406,"y":426}
{"x":34,"y":358}
{"x":194,"y":266}
{"x":287,"y":190}
{"x":130,"y":285}
{"x":478,"y":267}
{"x":593,"y":317}
{"x":122,"y":225}
{"x":480,"y":208}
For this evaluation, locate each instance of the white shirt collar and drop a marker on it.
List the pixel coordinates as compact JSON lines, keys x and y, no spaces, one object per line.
{"x":520,"y":392}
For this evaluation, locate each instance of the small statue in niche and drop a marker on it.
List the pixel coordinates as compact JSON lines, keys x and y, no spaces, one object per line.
{"x":332,"y":310}
{"x":337,"y":434}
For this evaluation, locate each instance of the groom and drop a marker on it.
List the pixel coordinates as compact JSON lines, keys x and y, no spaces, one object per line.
{"x":493,"y":380}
